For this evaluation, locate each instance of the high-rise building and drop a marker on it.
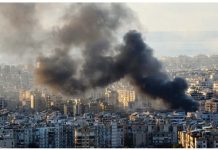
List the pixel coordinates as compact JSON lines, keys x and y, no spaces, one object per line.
{"x":215,"y":86}
{"x":49,"y":137}
{"x":117,"y":135}
{"x":198,"y":138}
{"x":68,"y":136}
{"x":71,"y":107}
{"x":23,"y":137}
{"x":25,"y":98}
{"x":111,"y":97}
{"x":102,"y":135}
{"x":84,"y":137}
{"x":126,"y":96}
{"x":7,"y":138}
{"x":211,"y":105}
{"x":37,"y":101}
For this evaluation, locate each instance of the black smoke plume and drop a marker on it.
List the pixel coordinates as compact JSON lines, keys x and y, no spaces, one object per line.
{"x":92,"y":29}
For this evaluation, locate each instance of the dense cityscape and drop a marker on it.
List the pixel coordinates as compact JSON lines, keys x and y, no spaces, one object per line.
{"x":108,"y":75}
{"x":116,"y":116}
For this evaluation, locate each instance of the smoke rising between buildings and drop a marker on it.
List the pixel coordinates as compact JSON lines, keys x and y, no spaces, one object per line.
{"x":93,"y":30}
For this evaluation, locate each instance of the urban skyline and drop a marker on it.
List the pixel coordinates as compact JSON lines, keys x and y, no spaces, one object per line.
{"x":112,"y":75}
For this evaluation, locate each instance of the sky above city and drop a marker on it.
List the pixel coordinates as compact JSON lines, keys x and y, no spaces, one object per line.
{"x":171,"y":29}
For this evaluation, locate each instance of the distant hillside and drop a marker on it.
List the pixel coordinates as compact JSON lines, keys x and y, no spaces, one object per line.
{"x":186,"y":62}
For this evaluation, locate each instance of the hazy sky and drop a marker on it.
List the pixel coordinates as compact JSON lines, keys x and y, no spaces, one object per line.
{"x":179,"y":28}
{"x":171,"y":29}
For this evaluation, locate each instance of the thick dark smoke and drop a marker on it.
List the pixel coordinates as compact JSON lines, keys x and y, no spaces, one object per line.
{"x":92,"y":29}
{"x":146,"y":73}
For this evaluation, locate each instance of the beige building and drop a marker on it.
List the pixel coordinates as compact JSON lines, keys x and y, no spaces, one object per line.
{"x":215,"y":86}
{"x":211,"y":105}
{"x":25,"y":98}
{"x":37,"y":101}
{"x":191,"y":139}
{"x":198,"y":138}
{"x":126,"y":96}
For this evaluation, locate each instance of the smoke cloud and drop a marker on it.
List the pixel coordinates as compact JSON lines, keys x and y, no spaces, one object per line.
{"x":21,"y":21}
{"x":93,"y":30}
{"x":23,"y":37}
{"x":147,"y":74}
